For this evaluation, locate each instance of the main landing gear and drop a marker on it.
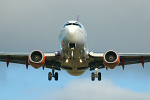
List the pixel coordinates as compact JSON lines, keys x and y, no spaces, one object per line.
{"x":98,"y":75}
{"x":55,"y":75}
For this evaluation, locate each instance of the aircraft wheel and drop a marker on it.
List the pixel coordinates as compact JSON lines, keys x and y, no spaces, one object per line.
{"x":99,"y":76}
{"x":92,"y":76}
{"x":49,"y":76}
{"x":56,"y":76}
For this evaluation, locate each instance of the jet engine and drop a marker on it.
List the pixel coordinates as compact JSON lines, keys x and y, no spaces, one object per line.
{"x":111,"y":59}
{"x":36,"y":59}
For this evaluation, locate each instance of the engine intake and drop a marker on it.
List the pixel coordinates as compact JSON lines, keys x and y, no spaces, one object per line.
{"x":111,"y":59}
{"x":36,"y":59}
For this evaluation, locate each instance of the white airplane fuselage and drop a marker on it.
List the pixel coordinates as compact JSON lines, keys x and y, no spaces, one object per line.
{"x":73,"y":43}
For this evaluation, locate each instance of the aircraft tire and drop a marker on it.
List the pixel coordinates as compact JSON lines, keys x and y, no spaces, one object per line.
{"x":92,"y":76}
{"x":99,"y":76}
{"x":56,"y":76}
{"x":49,"y":76}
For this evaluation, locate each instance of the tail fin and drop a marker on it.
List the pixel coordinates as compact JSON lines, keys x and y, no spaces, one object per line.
{"x":77,"y":17}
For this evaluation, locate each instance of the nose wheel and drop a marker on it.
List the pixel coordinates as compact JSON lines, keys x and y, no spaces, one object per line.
{"x":55,"y":75}
{"x":98,"y":75}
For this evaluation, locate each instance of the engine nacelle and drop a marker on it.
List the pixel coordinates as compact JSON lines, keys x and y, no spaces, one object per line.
{"x":111,"y":59}
{"x":36,"y":59}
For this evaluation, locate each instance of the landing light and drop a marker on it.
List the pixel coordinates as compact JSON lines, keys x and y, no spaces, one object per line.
{"x":67,"y":60}
{"x":80,"y":60}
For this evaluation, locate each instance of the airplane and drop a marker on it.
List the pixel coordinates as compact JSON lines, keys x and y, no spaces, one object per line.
{"x":74,"y":56}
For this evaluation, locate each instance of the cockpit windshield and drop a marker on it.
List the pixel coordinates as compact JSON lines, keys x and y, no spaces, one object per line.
{"x":72,"y":24}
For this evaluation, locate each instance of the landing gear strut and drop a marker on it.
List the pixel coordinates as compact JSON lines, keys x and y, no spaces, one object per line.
{"x":93,"y":75}
{"x":72,"y":55}
{"x":55,"y":75}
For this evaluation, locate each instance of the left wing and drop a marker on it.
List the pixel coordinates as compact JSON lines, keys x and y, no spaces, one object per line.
{"x":97,"y":59}
{"x":134,"y":58}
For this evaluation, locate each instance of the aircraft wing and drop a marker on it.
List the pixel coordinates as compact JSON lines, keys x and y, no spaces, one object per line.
{"x":125,"y":59}
{"x":22,"y":58}
{"x":19,"y":58}
{"x":95,"y":59}
{"x":134,"y":58}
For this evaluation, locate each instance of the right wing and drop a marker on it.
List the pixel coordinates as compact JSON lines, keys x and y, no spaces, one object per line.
{"x":22,"y":58}
{"x":19,"y":58}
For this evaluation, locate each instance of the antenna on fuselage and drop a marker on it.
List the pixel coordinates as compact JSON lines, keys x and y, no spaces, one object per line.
{"x":77,"y":17}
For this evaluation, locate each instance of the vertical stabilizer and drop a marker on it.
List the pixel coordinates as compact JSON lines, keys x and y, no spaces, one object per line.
{"x":77,"y":17}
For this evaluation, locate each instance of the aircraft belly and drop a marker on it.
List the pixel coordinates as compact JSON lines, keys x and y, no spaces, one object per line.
{"x":75,"y":73}
{"x":75,"y":67}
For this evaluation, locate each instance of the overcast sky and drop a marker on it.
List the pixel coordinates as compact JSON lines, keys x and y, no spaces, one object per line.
{"x":121,"y":25}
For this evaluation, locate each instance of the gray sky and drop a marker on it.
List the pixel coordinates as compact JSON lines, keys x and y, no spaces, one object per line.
{"x":121,"y":25}
{"x":110,"y":24}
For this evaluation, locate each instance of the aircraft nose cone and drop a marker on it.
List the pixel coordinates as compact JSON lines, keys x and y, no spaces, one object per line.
{"x":72,"y":34}
{"x":71,"y":30}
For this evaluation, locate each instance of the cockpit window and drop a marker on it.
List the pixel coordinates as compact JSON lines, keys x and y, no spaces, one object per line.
{"x":72,"y":24}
